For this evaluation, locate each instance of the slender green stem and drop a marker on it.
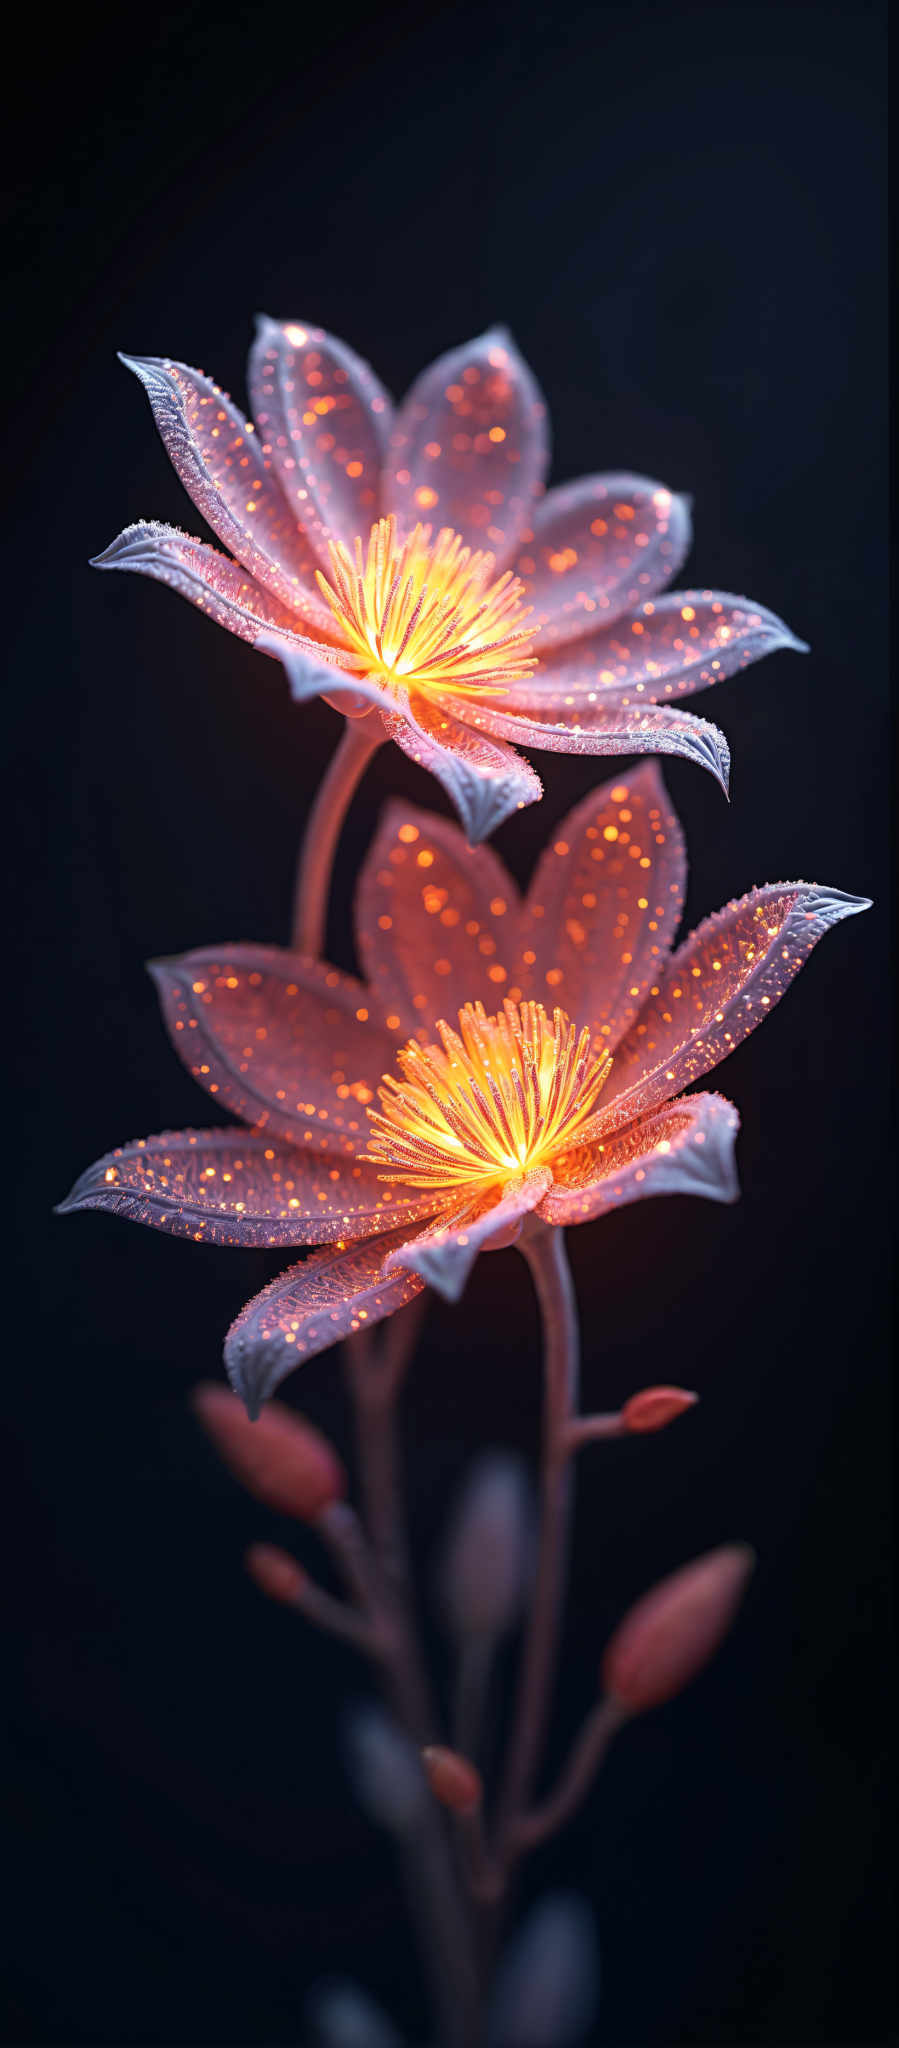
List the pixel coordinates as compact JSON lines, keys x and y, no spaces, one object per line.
{"x":359,"y":740}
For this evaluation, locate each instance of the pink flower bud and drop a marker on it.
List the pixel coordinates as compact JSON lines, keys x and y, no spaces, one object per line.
{"x":453,"y":1780}
{"x":674,"y":1630}
{"x":276,"y":1574}
{"x":655,"y":1407}
{"x":282,"y":1460}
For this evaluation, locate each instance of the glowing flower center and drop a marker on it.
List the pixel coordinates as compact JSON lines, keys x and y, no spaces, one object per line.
{"x":505,"y":1094}
{"x":428,"y":615}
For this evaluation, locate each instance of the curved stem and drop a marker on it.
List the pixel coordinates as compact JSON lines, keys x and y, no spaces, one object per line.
{"x":359,"y":740}
{"x":577,"y":1777}
{"x":543,"y":1246}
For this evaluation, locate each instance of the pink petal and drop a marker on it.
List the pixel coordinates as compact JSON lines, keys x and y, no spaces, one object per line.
{"x":584,"y":728}
{"x":433,"y":918}
{"x":288,"y":1044}
{"x":325,"y":419}
{"x":605,"y":903}
{"x":470,"y":446}
{"x":685,"y":1149}
{"x":307,"y":1309}
{"x":445,"y":1254}
{"x":670,"y":647}
{"x":597,"y":548}
{"x":237,"y":1187}
{"x":221,"y":463}
{"x":486,"y":780}
{"x":217,"y":586}
{"x":716,"y":988}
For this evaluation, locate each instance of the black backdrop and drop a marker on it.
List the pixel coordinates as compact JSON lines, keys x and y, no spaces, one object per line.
{"x":678,"y":210}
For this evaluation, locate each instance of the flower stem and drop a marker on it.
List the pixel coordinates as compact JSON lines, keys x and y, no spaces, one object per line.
{"x":586,"y":1756}
{"x":359,"y":740}
{"x":543,"y":1246}
{"x":375,"y":1371}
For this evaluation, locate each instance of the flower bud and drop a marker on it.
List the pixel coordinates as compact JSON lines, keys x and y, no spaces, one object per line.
{"x":385,"y":1769}
{"x":673,"y":1631}
{"x":548,"y":1982}
{"x":281,"y":1459}
{"x":489,"y":1549}
{"x":655,"y":1407}
{"x":342,"y":2016}
{"x":276,"y":1574}
{"x":453,"y":1780}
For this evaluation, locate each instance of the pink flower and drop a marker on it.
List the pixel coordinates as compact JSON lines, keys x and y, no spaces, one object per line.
{"x":512,"y":1111}
{"x":405,"y":563}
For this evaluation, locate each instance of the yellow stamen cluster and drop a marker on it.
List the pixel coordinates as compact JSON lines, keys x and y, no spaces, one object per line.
{"x":428,"y":615}
{"x":505,"y":1094}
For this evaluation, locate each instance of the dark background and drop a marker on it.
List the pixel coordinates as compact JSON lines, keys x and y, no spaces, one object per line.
{"x":679,"y":212}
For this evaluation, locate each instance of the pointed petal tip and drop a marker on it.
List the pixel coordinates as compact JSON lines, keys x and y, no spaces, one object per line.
{"x":141,"y":366}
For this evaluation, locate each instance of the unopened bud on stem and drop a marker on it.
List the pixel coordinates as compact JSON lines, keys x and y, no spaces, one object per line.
{"x":281,"y":1459}
{"x":655,"y":1407}
{"x":453,"y":1780}
{"x":275,"y":1573}
{"x":670,"y":1633}
{"x":546,"y":1991}
{"x":385,"y":1769}
{"x":489,"y":1550}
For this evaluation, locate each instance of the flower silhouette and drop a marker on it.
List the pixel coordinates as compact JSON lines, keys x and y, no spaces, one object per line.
{"x":404,"y":563}
{"x":408,"y":1120}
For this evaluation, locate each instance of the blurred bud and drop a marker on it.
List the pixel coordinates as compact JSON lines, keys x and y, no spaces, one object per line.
{"x":548,"y":1984}
{"x":674,"y":1630}
{"x":276,"y":1574}
{"x":655,"y":1407}
{"x":385,"y":1770}
{"x":342,"y":2016}
{"x":453,"y":1780}
{"x":489,"y":1549}
{"x":281,"y":1459}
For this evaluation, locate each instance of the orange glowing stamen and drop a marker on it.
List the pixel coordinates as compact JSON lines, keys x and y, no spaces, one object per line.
{"x":428,"y":616}
{"x":505,"y":1094}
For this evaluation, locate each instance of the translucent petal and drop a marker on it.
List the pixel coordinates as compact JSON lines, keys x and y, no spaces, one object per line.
{"x":445,"y":1254}
{"x":433,"y":918}
{"x":217,"y":586}
{"x":307,"y":1309}
{"x":470,"y":445}
{"x":236,"y":1187}
{"x":325,"y":419}
{"x":584,"y":728}
{"x":597,"y":548}
{"x":288,"y":1044}
{"x":314,"y":671}
{"x":605,"y":902}
{"x":486,"y":780}
{"x":673,"y":645}
{"x":686,"y":1148}
{"x":220,"y":461}
{"x":716,"y":988}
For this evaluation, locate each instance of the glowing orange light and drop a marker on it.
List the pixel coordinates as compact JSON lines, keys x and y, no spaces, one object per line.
{"x":496,"y":1098}
{"x":426,"y":613}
